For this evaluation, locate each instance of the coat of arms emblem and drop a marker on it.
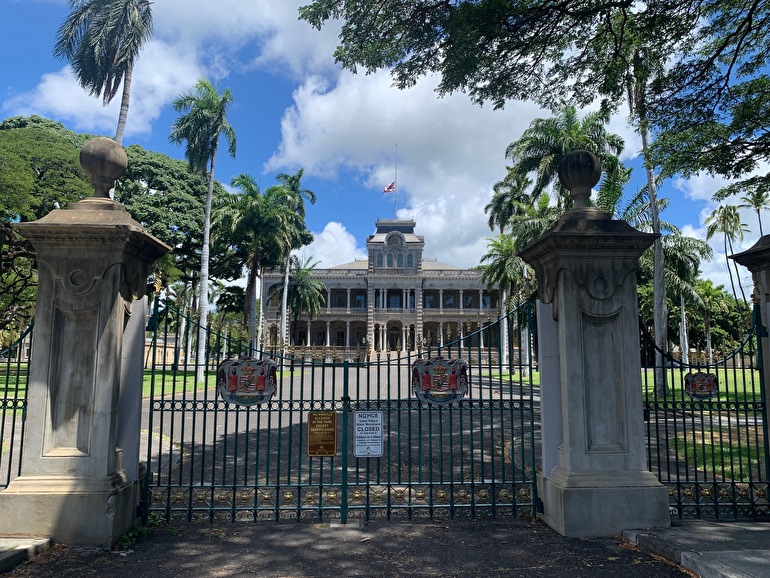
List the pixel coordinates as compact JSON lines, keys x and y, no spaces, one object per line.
{"x":246,"y":381}
{"x":439,"y":381}
{"x":700,"y":385}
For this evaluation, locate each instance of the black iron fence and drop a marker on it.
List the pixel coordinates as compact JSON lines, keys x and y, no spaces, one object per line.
{"x":707,"y":431}
{"x":14,"y":374}
{"x":210,"y":458}
{"x":706,"y":425}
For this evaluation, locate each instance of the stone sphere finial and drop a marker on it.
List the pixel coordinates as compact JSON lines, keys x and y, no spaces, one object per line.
{"x":578,"y":173}
{"x":104,"y":161}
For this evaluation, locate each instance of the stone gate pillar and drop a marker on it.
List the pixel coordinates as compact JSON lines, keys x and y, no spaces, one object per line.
{"x":93,"y":260}
{"x":586,"y":266}
{"x":757,"y":260}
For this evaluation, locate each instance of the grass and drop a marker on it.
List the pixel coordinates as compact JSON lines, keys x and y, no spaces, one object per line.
{"x":733,"y":385}
{"x":717,"y":452}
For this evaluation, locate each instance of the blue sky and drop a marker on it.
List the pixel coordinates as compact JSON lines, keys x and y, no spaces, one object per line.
{"x":294,"y":107}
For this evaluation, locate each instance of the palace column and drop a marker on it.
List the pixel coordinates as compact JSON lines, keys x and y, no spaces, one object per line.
{"x":586,"y":269}
{"x":93,"y":259}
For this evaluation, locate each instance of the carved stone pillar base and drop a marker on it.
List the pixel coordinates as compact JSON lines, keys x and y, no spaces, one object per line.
{"x":70,"y":510}
{"x":595,"y":504}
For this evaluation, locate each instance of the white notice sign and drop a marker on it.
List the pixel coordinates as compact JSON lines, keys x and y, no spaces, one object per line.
{"x":368,"y":434}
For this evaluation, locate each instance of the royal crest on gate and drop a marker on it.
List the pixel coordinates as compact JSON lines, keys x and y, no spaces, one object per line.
{"x":439,"y":381}
{"x":246,"y":381}
{"x":700,"y":385}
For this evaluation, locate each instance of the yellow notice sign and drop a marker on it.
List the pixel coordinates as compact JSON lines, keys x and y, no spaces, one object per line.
{"x":322,"y":434}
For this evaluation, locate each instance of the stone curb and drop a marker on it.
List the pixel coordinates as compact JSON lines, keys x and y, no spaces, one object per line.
{"x":14,"y":551}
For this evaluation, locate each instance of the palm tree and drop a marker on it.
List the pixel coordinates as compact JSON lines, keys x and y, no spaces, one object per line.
{"x":305,"y":295}
{"x":255,"y":224}
{"x":295,"y":199}
{"x":756,"y":200}
{"x":713,"y":304}
{"x":507,"y":198}
{"x":546,"y":142}
{"x":101,"y":39}
{"x":726,"y":220}
{"x":203,"y":120}
{"x":506,"y":270}
{"x":682,"y":256}
{"x":533,"y":219}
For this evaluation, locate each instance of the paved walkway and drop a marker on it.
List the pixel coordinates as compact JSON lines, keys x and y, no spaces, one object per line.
{"x":458,"y":548}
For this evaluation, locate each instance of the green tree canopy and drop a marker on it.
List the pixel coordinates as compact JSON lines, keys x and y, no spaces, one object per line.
{"x":39,"y":170}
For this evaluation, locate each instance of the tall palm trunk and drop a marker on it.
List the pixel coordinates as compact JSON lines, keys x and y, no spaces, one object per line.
{"x":251,"y":306}
{"x":203,"y":301}
{"x":709,"y":349}
{"x":261,"y":322}
{"x":284,"y":302}
{"x":683,"y":342}
{"x":124,"y":100}
{"x":658,"y":281}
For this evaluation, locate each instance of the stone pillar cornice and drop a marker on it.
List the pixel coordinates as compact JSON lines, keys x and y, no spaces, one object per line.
{"x":757,"y":257}
{"x":578,"y":244}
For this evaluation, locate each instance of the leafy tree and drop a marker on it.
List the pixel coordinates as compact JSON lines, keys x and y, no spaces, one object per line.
{"x":254,"y":224}
{"x":203,"y":120}
{"x":39,"y":170}
{"x":714,"y":105}
{"x":101,"y":39}
{"x":168,"y":199}
{"x":501,"y":51}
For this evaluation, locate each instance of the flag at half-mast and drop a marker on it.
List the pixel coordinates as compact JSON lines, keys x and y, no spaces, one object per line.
{"x":391,"y":188}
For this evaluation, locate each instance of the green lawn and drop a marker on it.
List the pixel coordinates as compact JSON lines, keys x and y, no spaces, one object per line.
{"x":726,"y":453}
{"x":733,"y":385}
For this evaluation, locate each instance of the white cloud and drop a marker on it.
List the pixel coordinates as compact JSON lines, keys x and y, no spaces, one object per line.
{"x":332,"y":246}
{"x":162,"y":73}
{"x":450,"y":152}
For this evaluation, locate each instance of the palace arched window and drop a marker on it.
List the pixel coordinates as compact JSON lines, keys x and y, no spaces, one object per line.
{"x":400,"y":260}
{"x":390,"y":260}
{"x":379,"y":260}
{"x":409,"y":261}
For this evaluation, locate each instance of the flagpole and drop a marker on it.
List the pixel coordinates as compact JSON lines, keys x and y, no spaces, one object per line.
{"x":395,"y":193}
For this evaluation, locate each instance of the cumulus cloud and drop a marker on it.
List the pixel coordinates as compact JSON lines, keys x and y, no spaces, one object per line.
{"x":333,"y":246}
{"x":449,"y":152}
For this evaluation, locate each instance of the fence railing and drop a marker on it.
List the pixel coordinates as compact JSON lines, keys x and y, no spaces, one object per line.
{"x":14,"y":375}
{"x":707,"y":432}
{"x":210,"y":459}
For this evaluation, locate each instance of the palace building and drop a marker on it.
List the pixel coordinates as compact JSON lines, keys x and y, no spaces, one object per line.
{"x":395,"y":300}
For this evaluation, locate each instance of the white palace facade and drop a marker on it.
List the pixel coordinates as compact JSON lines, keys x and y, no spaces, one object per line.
{"x":395,"y":300}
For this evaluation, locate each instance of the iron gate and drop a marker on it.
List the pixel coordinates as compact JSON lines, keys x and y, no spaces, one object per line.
{"x":209,"y":459}
{"x":709,"y":446}
{"x":14,"y":375}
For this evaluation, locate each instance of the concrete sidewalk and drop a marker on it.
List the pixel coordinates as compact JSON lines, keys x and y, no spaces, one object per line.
{"x":457,"y":548}
{"x":711,"y":549}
